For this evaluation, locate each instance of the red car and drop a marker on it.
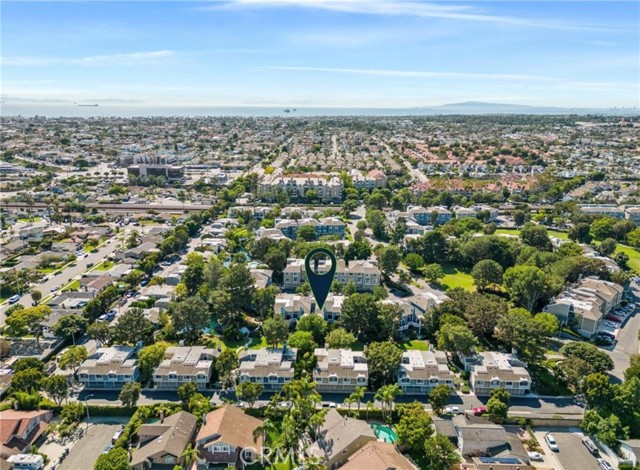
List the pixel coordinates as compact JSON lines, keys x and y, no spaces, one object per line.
{"x":480,"y":410}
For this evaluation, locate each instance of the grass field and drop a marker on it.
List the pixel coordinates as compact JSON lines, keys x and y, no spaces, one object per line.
{"x":75,"y":285}
{"x":514,"y":231}
{"x":26,"y":220}
{"x":455,"y":277}
{"x":633,"y":254}
{"x":105,"y":266}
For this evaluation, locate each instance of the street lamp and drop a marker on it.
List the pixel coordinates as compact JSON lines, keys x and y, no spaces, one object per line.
{"x":86,"y":406}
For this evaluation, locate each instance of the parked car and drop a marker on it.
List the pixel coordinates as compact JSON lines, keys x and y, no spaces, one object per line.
{"x":144,"y":282}
{"x":588,"y":443}
{"x":479,"y":410}
{"x":13,"y":299}
{"x":89,"y":265}
{"x":604,"y":465}
{"x":452,"y":410}
{"x":103,"y":318}
{"x":551,"y":442}
{"x":54,"y":288}
{"x":610,"y":324}
{"x":535,"y":456}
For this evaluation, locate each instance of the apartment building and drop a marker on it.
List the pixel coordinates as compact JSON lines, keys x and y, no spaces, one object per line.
{"x":371,"y":180}
{"x":364,"y":274}
{"x":328,"y":187}
{"x":610,"y":210}
{"x":292,"y":307}
{"x":586,"y":303}
{"x":325,"y":226}
{"x":109,"y":368}
{"x":421,"y":371}
{"x":184,"y":364}
{"x":632,"y":213}
{"x":271,"y":367}
{"x":340,"y":370}
{"x":414,"y":308}
{"x":490,"y":370}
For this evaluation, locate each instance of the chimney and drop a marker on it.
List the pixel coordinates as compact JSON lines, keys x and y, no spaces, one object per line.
{"x":204,"y":419}
{"x":161,"y":416}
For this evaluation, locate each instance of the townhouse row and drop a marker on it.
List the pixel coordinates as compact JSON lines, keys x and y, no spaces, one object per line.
{"x":337,"y":370}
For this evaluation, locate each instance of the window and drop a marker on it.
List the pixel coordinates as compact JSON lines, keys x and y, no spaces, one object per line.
{"x":169,"y":460}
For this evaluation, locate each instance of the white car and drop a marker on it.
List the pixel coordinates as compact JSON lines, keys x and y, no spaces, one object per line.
{"x":611,"y":324}
{"x":604,"y":465}
{"x":535,"y":456}
{"x":452,"y":410}
{"x":551,"y":442}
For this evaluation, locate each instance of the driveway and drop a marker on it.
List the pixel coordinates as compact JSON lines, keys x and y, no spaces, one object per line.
{"x":86,"y":451}
{"x":627,"y":339}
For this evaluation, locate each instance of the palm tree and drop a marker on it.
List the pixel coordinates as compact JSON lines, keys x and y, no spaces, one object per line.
{"x":357,"y":396}
{"x":263,"y":431}
{"x":189,"y":456}
{"x":369,"y":407}
{"x":313,"y":463}
{"x":387,"y":395}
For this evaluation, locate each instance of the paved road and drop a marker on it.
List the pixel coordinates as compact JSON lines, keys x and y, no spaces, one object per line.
{"x":573,"y":455}
{"x":86,"y":451}
{"x":67,"y":275}
{"x":627,"y":340}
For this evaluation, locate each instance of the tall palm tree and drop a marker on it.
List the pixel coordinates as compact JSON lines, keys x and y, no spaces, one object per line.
{"x":189,"y":456}
{"x":369,"y":407}
{"x":387,"y":395}
{"x":357,"y":396}
{"x":263,"y":431}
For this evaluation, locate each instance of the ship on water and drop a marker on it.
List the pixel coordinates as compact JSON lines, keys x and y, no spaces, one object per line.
{"x":95,"y":105}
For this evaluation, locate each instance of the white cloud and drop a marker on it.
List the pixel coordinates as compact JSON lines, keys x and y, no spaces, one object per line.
{"x":411,"y":8}
{"x":128,"y":59}
{"x":412,"y":73}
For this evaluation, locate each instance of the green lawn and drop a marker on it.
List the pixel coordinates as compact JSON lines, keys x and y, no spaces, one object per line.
{"x":420,"y":345}
{"x":105,"y":266}
{"x":75,"y":285}
{"x":455,"y":277}
{"x":26,"y":220}
{"x":514,"y":231}
{"x":633,"y":254}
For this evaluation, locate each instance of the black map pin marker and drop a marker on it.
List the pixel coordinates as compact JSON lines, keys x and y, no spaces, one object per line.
{"x":320,"y":283}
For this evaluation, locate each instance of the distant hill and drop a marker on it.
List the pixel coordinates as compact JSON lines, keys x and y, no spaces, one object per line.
{"x":478,"y":107}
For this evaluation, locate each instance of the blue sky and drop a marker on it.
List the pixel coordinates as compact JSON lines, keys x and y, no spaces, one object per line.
{"x":365,"y":53}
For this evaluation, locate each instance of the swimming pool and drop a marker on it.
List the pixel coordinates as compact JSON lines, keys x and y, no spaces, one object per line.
{"x":384,"y":432}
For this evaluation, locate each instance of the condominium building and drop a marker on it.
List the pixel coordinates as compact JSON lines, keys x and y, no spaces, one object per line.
{"x":364,"y":274}
{"x":109,"y":368}
{"x":586,"y":303}
{"x":373,"y":179}
{"x":491,"y":370}
{"x":183,"y":364}
{"x":328,"y":187}
{"x":340,"y":370}
{"x":325,"y":226}
{"x":271,"y":367}
{"x":292,"y":307}
{"x":414,"y":308}
{"x":610,"y":210}
{"x":421,"y":371}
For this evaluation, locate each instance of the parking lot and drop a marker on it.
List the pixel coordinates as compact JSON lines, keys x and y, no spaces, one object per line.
{"x":85,"y":452}
{"x":573,"y":455}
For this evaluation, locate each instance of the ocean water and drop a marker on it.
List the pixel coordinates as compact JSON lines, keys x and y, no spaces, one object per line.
{"x":67,"y":110}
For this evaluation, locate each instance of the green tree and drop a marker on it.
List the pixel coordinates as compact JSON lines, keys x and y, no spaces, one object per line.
{"x":414,"y":262}
{"x":26,"y":363}
{"x":440,"y":453}
{"x":99,"y":331}
{"x":314,"y":324}
{"x":28,"y":380}
{"x":603,"y":228}
{"x":580,"y":233}
{"x":599,"y":360}
{"x":264,"y":299}
{"x":526,"y":285}
{"x":36,"y":295}
{"x":386,"y":395}
{"x":415,"y":425}
{"x":439,"y":397}
{"x":358,"y":250}
{"x":70,"y":326}
{"x":239,"y":283}
{"x":378,"y":224}
{"x":548,"y":323}
{"x":501,"y":394}
{"x":189,"y":456}
{"x":116,"y":459}
{"x":536,"y":236}
{"x":149,"y":358}
{"x":456,"y":338}
{"x":57,"y":387}
{"x":249,"y":392}
{"x":486,"y":273}
{"x":132,"y":327}
{"x":433,"y":273}
{"x":608,"y":246}
{"x":306,"y":233}
{"x":634,"y":367}
{"x":227,"y":362}
{"x":23,"y":321}
{"x":518,"y":331}
{"x":389,"y":259}
{"x":72,"y":358}
{"x":383,"y":360}
{"x":72,"y":412}
{"x":302,"y":341}
{"x":339,"y":338}
{"x":185,"y":392}
{"x":130,"y":394}
{"x":497,"y":409}
{"x":189,"y":318}
{"x":275,"y":330}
